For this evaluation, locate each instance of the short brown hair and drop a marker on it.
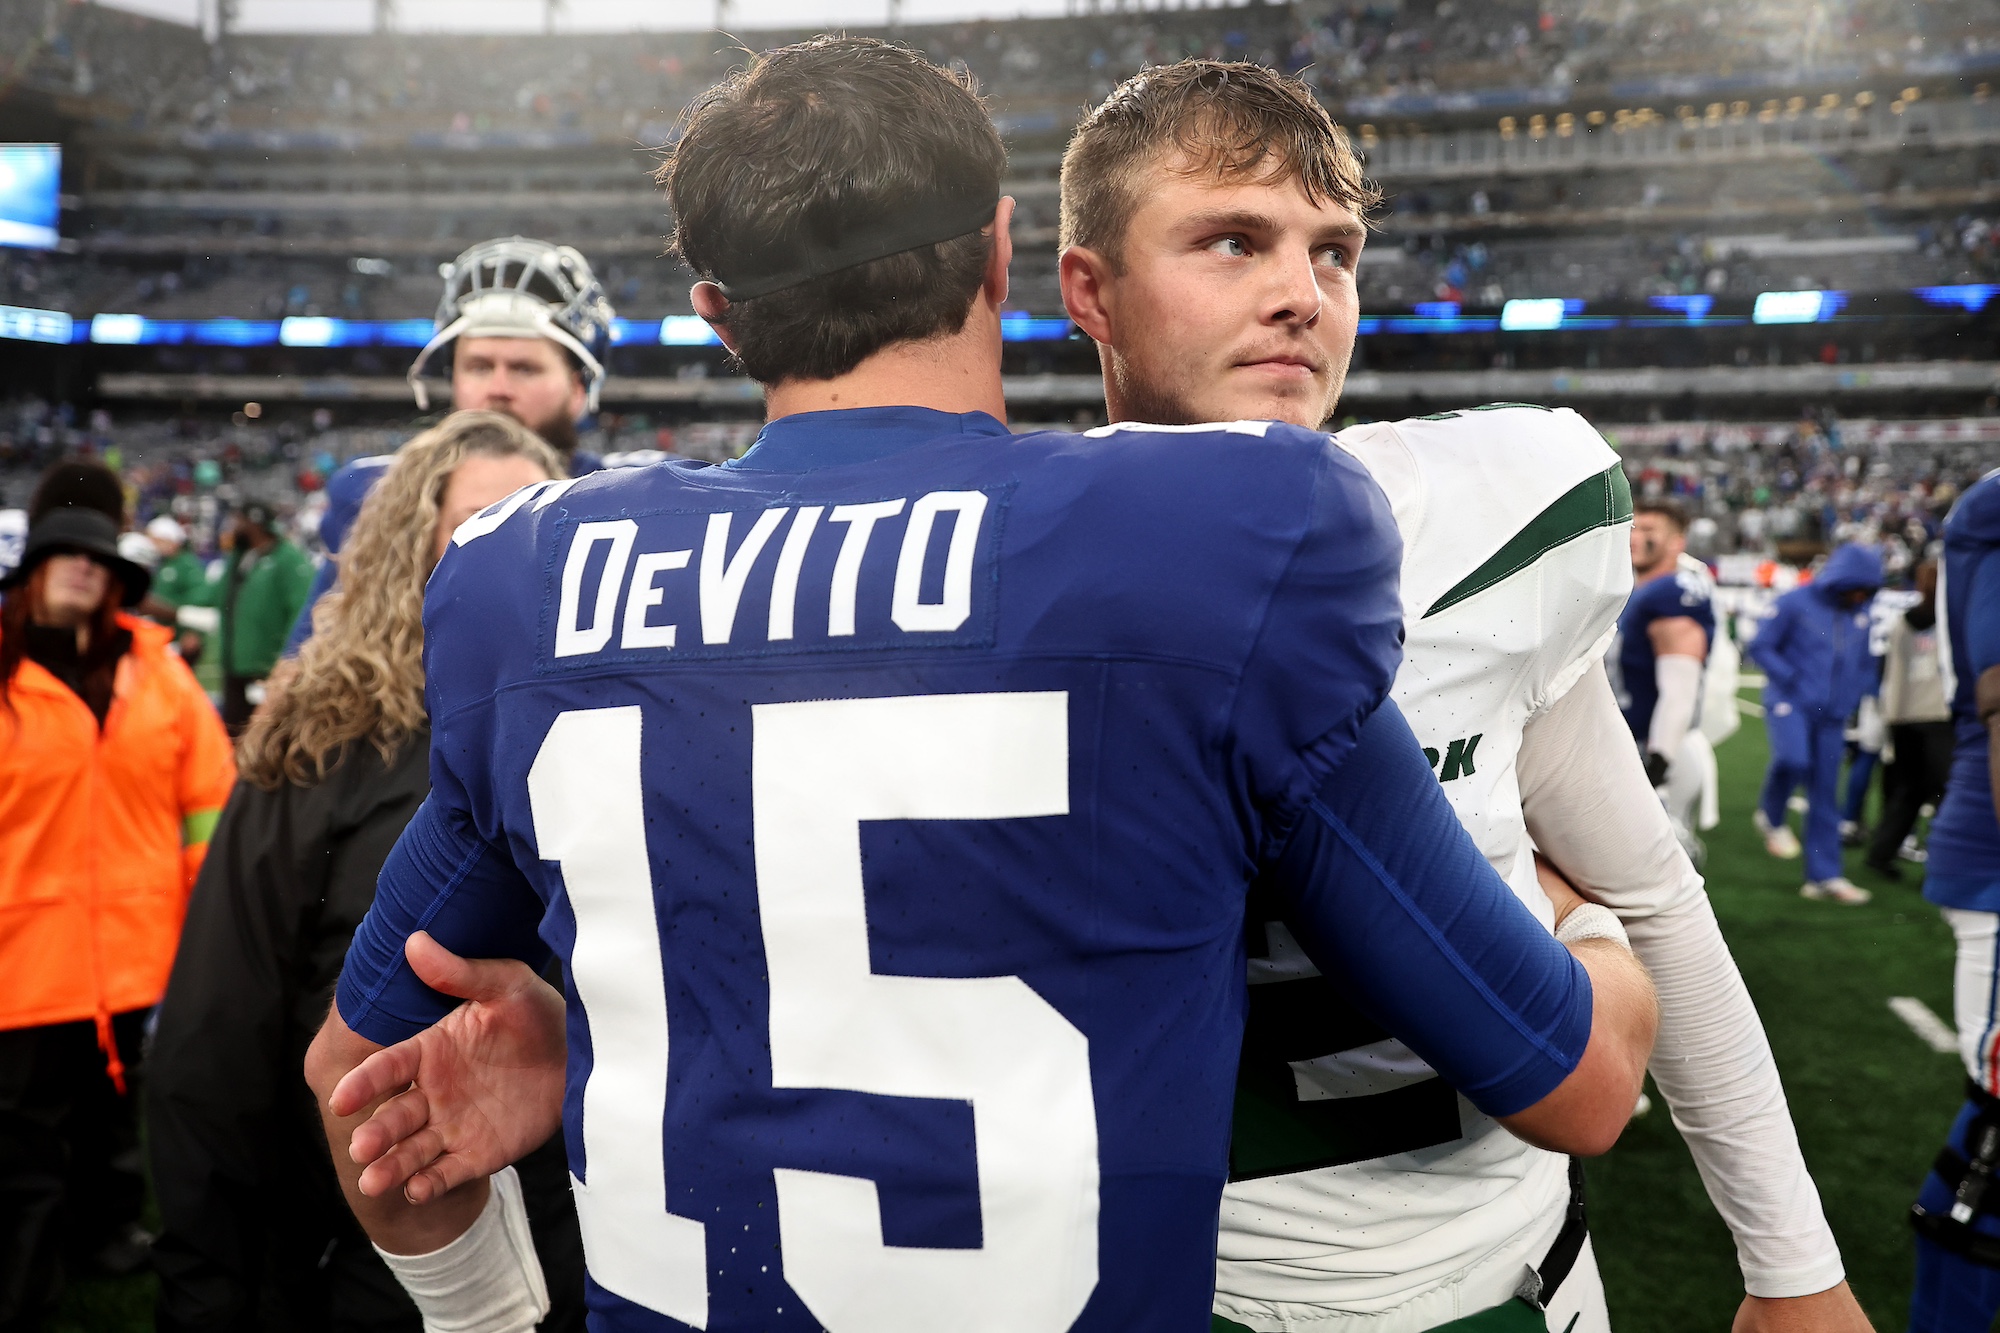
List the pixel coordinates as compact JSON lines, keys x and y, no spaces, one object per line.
{"x":1231,"y":118}
{"x":1671,"y":510}
{"x":823,"y":138}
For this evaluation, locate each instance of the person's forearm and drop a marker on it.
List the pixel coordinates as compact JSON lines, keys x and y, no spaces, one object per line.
{"x":1715,"y":1068}
{"x":391,"y":1220}
{"x":1590,"y":810}
{"x":1623,"y":1021}
{"x":1386,"y":890}
{"x":1679,"y":680}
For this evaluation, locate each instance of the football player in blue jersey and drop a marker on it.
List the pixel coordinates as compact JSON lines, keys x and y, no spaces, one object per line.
{"x":1657,"y":659}
{"x":1814,"y":649}
{"x":892,"y":796}
{"x":1663,"y":637}
{"x":527,"y":324}
{"x":1210,"y":240}
{"x":1957,"y":1215}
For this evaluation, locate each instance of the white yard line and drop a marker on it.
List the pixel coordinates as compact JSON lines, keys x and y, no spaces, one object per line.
{"x":1931,"y":1030}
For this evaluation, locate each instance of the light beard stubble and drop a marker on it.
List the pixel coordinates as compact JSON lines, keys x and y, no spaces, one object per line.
{"x":1166,"y":408}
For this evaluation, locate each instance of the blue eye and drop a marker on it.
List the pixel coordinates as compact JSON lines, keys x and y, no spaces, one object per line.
{"x":1232,"y":246}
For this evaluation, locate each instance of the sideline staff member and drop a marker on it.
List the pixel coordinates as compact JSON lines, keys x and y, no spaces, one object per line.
{"x":113,"y":768}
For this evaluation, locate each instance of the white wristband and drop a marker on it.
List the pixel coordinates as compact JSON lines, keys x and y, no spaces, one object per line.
{"x":487,"y":1281}
{"x":1592,"y":922}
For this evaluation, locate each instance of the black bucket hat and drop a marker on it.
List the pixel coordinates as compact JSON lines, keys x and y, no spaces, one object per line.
{"x":80,"y":530}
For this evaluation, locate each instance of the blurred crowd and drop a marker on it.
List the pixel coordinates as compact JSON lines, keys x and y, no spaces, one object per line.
{"x":1807,"y":486}
{"x":150,"y":74}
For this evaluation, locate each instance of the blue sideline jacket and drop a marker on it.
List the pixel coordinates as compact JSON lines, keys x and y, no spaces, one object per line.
{"x":1814,"y":651}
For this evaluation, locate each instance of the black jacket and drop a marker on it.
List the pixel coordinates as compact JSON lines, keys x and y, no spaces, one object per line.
{"x":256,"y":1235}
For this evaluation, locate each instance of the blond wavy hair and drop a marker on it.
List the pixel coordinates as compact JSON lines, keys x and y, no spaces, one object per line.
{"x":361,"y":675}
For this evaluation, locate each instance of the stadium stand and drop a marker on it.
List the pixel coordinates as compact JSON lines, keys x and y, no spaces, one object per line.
{"x":258,"y":219}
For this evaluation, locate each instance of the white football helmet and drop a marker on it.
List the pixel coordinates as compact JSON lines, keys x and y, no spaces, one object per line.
{"x":518,"y":287}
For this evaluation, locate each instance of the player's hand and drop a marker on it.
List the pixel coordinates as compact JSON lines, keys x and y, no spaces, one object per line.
{"x":480,"y":1089}
{"x":1831,"y":1311}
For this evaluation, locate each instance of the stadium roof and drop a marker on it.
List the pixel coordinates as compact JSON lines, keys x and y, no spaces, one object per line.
{"x":529,"y":16}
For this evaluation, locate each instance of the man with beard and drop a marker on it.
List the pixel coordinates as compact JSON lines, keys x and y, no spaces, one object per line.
{"x":528,"y":325}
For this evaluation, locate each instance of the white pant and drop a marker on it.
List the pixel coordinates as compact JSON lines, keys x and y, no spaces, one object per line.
{"x":1975,"y":984}
{"x":1581,"y":1297}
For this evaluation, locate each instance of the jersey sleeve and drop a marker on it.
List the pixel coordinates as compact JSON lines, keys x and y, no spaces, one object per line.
{"x":1767,"y":647}
{"x":1687,"y":594}
{"x":1327,"y":648}
{"x":1395,"y":904}
{"x":1590,"y":806}
{"x":444,"y":878}
{"x":1982,"y":617}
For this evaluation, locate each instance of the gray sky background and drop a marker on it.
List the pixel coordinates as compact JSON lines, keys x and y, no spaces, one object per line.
{"x":588,"y":15}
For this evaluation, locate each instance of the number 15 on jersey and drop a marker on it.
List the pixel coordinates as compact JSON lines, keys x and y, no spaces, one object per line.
{"x":819,"y":769}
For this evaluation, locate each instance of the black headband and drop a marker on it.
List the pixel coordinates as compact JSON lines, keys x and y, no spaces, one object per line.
{"x":935,"y":220}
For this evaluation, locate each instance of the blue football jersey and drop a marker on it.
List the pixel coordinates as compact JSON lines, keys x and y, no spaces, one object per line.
{"x":1681,"y":593}
{"x":1964,"y":843}
{"x":891,"y":796}
{"x":346,"y":490}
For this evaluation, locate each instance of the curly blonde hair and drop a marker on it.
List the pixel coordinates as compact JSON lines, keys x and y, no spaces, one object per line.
{"x":361,"y":675}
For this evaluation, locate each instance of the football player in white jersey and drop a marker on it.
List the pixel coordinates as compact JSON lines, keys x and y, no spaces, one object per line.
{"x":1204,"y":253}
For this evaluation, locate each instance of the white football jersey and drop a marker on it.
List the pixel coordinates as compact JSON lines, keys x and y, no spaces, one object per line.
{"x":1360,"y":1182}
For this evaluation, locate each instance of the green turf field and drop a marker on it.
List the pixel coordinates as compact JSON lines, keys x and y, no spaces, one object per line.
{"x":1870,"y":1100}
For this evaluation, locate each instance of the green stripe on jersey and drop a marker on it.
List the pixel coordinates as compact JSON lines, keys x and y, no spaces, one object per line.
{"x":1596,"y":502}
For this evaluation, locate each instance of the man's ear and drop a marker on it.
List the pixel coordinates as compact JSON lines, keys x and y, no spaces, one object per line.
{"x":994,"y":285}
{"x":713,"y":306}
{"x":1085,"y":276}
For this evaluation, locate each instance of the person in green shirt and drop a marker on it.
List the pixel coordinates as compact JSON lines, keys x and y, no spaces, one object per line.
{"x":179,"y":580}
{"x":263,"y":585}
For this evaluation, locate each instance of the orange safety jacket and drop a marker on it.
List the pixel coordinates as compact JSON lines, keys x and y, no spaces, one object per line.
{"x":101,"y":833}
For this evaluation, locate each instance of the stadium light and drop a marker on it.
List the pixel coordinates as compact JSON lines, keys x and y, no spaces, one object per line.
{"x":1796,"y":307}
{"x":1970,"y":297}
{"x":687,"y":331}
{"x":1019,"y":328}
{"x":1540,"y":313}
{"x":1694,"y":306}
{"x":117,"y":330}
{"x":312,"y":331}
{"x":1524,"y":316}
{"x":35,"y":326}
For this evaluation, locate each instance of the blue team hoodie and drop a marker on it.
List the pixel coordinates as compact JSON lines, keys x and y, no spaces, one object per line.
{"x":1814,"y":650}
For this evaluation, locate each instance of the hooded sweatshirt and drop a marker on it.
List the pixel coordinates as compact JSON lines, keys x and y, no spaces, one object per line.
{"x":1964,"y":844}
{"x":1814,"y":647}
